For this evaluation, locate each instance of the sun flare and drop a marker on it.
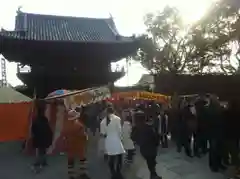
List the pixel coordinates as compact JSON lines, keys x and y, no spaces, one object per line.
{"x":192,"y":10}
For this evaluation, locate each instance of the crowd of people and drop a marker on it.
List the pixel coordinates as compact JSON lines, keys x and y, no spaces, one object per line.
{"x":204,"y":125}
{"x":199,"y":125}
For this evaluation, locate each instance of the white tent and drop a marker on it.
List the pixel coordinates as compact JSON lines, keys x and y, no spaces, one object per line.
{"x":9,"y":95}
{"x":146,"y":79}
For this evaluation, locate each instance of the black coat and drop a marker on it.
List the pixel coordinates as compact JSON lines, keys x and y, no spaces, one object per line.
{"x":202,"y":117}
{"x":41,"y":133}
{"x":231,"y":123}
{"x":148,"y":140}
{"x":215,"y":116}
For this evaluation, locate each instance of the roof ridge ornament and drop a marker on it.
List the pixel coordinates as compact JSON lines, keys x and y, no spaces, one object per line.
{"x":110,"y":15}
{"x":111,"y":24}
{"x":19,"y":10}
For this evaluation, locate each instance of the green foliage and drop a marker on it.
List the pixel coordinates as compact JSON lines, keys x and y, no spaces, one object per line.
{"x":220,"y":28}
{"x":205,"y":47}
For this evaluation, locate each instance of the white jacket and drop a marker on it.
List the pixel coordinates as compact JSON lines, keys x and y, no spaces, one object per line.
{"x":127,"y":141}
{"x":113,"y":132}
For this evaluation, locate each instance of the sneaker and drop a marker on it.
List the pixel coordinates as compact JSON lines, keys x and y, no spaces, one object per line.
{"x":189,"y":155}
{"x":36,"y":169}
{"x":214,"y":169}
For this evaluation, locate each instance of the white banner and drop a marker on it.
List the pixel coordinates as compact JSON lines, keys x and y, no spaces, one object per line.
{"x":83,"y":97}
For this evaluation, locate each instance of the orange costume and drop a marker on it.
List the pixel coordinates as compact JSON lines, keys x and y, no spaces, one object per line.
{"x":75,"y":140}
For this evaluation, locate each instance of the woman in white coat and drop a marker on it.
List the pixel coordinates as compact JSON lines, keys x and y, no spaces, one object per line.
{"x":127,"y":141}
{"x":111,"y":130}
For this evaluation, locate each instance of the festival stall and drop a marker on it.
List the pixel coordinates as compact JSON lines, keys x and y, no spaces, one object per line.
{"x":124,"y":101}
{"x":140,"y":95}
{"x":61,"y":101}
{"x":14,"y":115}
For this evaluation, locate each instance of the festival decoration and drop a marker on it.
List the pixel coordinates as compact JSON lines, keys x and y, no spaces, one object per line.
{"x":72,"y":99}
{"x":142,"y":95}
{"x":82,"y":97}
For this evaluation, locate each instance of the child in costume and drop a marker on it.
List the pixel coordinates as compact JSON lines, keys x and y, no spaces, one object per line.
{"x":75,"y":140}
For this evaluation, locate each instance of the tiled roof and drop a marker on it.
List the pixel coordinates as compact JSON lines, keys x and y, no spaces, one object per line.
{"x":60,"y":28}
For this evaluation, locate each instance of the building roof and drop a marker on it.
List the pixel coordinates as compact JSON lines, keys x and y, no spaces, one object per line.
{"x":29,"y":26}
{"x":9,"y":95}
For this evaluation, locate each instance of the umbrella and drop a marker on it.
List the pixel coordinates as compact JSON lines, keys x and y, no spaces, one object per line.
{"x":58,"y":92}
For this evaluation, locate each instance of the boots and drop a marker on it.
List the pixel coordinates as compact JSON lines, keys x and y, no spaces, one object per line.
{"x":82,"y":170}
{"x":71,"y":172}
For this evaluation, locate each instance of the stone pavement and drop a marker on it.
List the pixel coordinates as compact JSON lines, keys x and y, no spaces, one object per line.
{"x":171,"y":165}
{"x":15,"y":165}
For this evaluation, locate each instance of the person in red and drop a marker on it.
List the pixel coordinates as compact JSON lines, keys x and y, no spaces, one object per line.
{"x":75,"y":140}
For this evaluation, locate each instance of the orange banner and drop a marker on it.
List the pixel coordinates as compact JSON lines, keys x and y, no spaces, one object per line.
{"x":14,"y":121}
{"x":153,"y":96}
{"x":142,"y":95}
{"x":132,"y":94}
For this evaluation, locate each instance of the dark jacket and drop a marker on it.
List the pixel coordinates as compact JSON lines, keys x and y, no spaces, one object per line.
{"x":139,"y":120}
{"x":41,"y":132}
{"x":216,"y":122}
{"x":231,"y":123}
{"x":202,"y":117}
{"x":148,"y":140}
{"x":190,"y":119}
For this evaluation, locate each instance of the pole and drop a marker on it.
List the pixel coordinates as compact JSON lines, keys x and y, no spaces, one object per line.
{"x":127,"y":63}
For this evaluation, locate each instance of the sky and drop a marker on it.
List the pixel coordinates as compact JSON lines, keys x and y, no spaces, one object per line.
{"x":127,"y":14}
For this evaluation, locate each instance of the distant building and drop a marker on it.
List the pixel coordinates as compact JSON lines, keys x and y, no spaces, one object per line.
{"x":8,"y":85}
